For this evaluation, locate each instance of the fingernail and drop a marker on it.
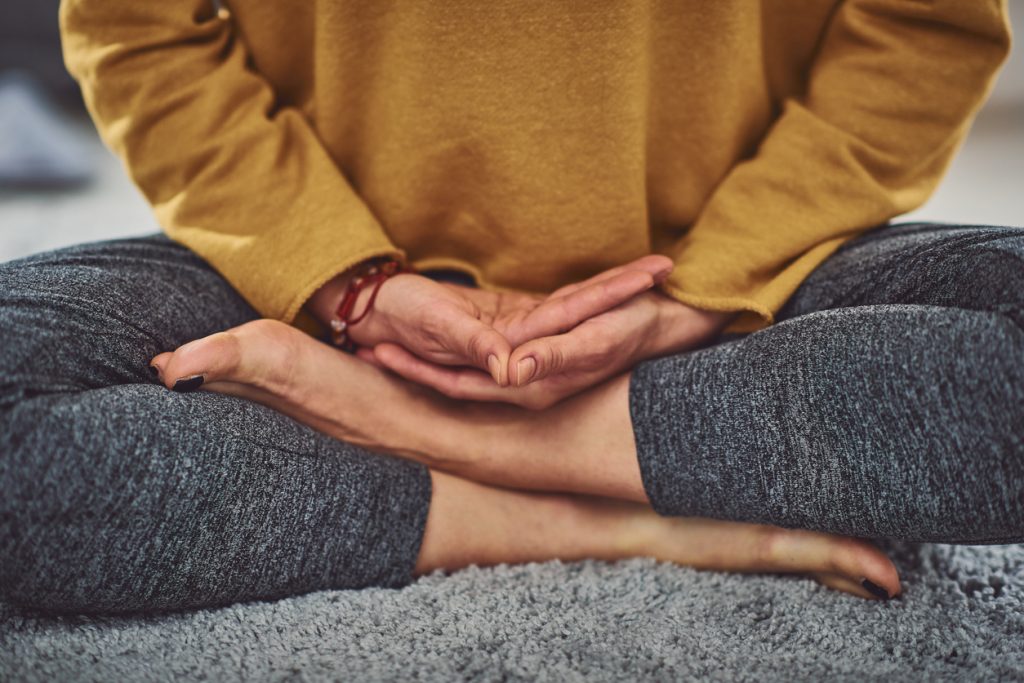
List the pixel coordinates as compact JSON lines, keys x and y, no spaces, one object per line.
{"x":525,"y":369}
{"x":188,"y":383}
{"x":875,"y":589}
{"x":494,"y":367}
{"x":153,"y":370}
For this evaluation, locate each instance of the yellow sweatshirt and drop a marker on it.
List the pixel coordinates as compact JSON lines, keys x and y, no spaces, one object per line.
{"x":533,"y":143}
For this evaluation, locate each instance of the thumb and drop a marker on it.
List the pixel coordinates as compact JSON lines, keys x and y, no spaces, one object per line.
{"x":441,"y":325}
{"x":482,"y":346}
{"x":581,"y":349}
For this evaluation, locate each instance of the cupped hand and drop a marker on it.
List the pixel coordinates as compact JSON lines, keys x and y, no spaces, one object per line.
{"x":449,"y":325}
{"x":546,"y":369}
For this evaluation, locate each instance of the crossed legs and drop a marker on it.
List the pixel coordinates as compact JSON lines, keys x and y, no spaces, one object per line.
{"x":121,"y":496}
{"x":510,"y":485}
{"x":865,"y":411}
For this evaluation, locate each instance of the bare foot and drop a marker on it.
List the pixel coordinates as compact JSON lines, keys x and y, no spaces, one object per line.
{"x":351,"y":399}
{"x":847,"y":564}
{"x":272,"y":363}
{"x":471,"y":523}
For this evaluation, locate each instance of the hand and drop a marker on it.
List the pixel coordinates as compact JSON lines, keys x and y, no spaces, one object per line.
{"x":449,"y":325}
{"x":545,"y":370}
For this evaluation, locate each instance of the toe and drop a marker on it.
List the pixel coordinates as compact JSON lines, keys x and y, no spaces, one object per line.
{"x":863,"y":562}
{"x":214,"y":358}
{"x":843,"y":584}
{"x":159,"y":362}
{"x":852,"y":559}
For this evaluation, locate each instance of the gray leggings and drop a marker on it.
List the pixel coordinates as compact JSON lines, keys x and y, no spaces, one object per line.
{"x":887,"y":402}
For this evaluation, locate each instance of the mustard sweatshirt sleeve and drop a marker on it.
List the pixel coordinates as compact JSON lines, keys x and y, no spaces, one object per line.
{"x":890,"y":96}
{"x":240,"y":180}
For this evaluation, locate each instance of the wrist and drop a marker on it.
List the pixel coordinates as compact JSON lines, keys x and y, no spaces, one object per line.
{"x":682,"y":327}
{"x":360,"y":290}
{"x":324,"y":302}
{"x":376,"y":327}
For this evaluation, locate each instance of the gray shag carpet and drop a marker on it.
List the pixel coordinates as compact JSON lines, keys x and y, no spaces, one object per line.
{"x":961,"y":618}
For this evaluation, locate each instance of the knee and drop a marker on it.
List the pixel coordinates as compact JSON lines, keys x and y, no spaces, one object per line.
{"x":94,"y":315}
{"x":1005,"y":274}
{"x":979,"y":269}
{"x":976,"y":271}
{"x":61,"y":328}
{"x":75,"y":319}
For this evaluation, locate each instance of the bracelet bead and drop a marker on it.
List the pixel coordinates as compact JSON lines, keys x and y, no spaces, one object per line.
{"x":374,"y":274}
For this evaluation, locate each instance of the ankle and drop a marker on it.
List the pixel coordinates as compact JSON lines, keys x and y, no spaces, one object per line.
{"x":467,"y":439}
{"x":640,"y":532}
{"x":611,"y":529}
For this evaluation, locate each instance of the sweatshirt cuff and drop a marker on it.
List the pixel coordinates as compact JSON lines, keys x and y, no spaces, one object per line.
{"x":749,"y":288}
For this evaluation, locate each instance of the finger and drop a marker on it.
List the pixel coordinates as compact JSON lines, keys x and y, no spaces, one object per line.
{"x":460,"y":383}
{"x":657,"y":265}
{"x":564,"y":313}
{"x":581,"y":348}
{"x":481,"y":345}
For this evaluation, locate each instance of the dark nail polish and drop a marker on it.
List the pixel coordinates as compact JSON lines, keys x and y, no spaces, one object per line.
{"x":875,"y":589}
{"x":188,"y":383}
{"x":153,"y":371}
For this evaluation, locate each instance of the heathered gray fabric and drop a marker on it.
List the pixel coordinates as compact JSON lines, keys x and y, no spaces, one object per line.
{"x":962,"y":619}
{"x":888,"y":401}
{"x":119,"y":495}
{"x":206,"y":499}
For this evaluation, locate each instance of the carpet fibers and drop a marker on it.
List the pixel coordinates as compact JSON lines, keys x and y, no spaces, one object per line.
{"x":961,"y":618}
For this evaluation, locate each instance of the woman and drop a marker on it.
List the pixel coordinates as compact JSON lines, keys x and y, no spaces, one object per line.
{"x":684,"y":315}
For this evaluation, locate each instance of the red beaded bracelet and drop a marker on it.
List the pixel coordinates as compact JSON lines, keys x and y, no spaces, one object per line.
{"x":371,"y":273}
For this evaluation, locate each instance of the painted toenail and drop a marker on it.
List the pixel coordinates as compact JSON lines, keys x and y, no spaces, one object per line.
{"x":875,"y":589}
{"x":188,"y":383}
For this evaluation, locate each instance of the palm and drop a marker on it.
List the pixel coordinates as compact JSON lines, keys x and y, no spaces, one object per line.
{"x":609,"y":343}
{"x":442,"y":310}
{"x":438,"y":308}
{"x":595,"y":349}
{"x":452,"y":325}
{"x":510,"y":313}
{"x":618,"y":351}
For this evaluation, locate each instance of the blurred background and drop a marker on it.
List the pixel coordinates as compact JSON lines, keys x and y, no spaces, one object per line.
{"x":60,"y":186}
